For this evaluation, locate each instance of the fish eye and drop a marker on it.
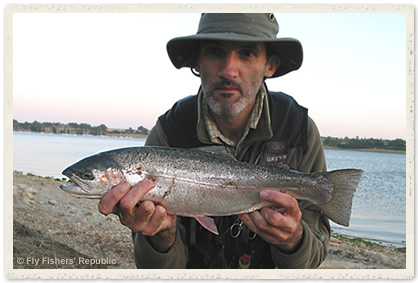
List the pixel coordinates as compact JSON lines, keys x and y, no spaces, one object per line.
{"x":85,"y":174}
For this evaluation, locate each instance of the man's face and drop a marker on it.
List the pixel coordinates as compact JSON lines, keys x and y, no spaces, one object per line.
{"x":232,"y":73}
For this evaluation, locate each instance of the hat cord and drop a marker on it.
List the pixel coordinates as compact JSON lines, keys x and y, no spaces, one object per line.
{"x":194,"y":72}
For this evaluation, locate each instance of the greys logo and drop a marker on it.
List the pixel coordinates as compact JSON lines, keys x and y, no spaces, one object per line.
{"x":277,"y":158}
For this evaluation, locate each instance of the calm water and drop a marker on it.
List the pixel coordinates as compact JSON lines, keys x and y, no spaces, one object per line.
{"x":378,"y":207}
{"x":379,"y":204}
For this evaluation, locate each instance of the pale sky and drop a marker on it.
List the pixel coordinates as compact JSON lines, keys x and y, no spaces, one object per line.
{"x":112,"y":68}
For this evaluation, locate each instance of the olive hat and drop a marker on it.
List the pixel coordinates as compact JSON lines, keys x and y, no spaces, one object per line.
{"x":258,"y":27}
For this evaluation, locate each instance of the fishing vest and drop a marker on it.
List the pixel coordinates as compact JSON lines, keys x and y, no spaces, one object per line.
{"x":236,"y":246}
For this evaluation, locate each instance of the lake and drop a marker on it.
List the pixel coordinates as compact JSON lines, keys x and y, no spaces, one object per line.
{"x":379,"y":205}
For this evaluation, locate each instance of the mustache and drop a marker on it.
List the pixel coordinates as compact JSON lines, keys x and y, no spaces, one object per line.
{"x":227,"y":83}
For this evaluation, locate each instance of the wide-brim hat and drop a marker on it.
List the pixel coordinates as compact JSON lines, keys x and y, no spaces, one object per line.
{"x":258,"y":27}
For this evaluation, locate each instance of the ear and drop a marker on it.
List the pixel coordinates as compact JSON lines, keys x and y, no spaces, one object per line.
{"x":272,"y":65}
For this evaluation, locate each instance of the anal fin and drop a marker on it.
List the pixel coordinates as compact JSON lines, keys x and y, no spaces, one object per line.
{"x":208,"y":223}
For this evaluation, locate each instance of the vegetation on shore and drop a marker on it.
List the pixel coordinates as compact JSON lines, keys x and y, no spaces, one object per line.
{"x":77,"y":129}
{"x":367,"y":243}
{"x":363,"y":143}
{"x":369,"y":144}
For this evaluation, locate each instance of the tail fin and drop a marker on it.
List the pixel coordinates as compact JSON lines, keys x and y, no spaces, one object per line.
{"x":345,"y":182}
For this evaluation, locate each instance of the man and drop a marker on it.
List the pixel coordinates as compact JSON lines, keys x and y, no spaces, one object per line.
{"x":233,"y":54}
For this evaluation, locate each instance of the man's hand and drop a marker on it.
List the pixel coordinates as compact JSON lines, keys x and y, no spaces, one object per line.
{"x":148,"y":218}
{"x":283,"y":230}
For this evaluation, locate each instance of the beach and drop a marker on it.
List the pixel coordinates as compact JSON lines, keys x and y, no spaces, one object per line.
{"x":54,"y":230}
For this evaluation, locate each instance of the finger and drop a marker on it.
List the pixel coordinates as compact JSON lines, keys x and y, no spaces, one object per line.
{"x":139,"y":220}
{"x":245,"y":217}
{"x":288,"y":202}
{"x":144,"y":212}
{"x":259,"y":221}
{"x":110,"y":199}
{"x":284,"y":229}
{"x":286,"y":219}
{"x":273,"y":217}
{"x":269,"y":221}
{"x":257,"y":224}
{"x":252,"y":221}
{"x":137,"y":192}
{"x":156,"y":221}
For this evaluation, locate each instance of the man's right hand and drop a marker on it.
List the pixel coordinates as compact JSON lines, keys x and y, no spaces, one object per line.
{"x":148,"y":218}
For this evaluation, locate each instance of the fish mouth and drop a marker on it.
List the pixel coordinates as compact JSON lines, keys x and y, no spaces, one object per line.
{"x":76,"y":188}
{"x":80,"y":188}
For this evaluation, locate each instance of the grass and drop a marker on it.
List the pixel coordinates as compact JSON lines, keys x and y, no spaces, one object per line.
{"x":366,"y":243}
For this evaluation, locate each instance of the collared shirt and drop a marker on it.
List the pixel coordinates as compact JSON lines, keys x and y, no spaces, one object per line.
{"x":215,"y":135}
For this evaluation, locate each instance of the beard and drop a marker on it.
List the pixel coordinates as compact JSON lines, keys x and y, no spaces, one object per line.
{"x":235,"y":107}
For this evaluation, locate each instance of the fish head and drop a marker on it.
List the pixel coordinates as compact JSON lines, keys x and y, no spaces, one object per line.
{"x":92,"y":177}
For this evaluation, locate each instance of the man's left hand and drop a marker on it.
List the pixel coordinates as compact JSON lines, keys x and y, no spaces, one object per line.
{"x":283,"y":230}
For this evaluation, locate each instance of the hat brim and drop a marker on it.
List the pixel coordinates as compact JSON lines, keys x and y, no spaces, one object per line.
{"x":183,"y":50}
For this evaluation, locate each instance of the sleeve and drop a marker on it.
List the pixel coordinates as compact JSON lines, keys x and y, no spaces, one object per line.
{"x":157,"y":137}
{"x":314,"y":158}
{"x":145,"y":255}
{"x":317,"y":231}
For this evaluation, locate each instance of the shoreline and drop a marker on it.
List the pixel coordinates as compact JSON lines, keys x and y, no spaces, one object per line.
{"x":381,"y":150}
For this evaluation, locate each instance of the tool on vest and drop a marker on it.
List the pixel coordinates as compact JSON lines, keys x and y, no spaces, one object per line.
{"x":250,"y":234}
{"x":236,"y":228}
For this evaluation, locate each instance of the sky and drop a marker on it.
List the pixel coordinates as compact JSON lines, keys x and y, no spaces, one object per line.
{"x":111,"y":67}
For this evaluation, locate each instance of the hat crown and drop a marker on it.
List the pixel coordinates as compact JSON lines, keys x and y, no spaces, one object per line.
{"x":260,"y":25}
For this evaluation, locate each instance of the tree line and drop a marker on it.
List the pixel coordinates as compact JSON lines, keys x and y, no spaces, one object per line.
{"x":74,"y":128}
{"x":364,"y":143}
{"x":86,"y":129}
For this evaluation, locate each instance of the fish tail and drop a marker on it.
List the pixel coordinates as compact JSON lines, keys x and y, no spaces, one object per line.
{"x":345,"y":183}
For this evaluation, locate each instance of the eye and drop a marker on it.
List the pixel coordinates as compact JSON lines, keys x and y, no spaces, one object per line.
{"x":85,"y":175}
{"x":248,"y":52}
{"x":214,"y":50}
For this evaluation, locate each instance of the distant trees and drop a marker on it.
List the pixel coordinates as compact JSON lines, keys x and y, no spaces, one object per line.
{"x":73,"y":128}
{"x":102,"y":130}
{"x":37,"y":127}
{"x":358,"y":143}
{"x":143,"y":130}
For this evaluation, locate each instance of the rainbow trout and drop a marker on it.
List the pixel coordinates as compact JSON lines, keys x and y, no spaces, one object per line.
{"x":200,"y":184}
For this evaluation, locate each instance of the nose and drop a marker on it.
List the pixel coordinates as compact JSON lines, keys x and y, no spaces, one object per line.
{"x":229,"y":68}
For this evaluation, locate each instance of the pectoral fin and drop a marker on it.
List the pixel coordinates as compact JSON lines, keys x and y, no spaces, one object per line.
{"x":208,"y":223}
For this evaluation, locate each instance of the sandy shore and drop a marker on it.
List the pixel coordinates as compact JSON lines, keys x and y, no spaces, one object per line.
{"x":66,"y":232}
